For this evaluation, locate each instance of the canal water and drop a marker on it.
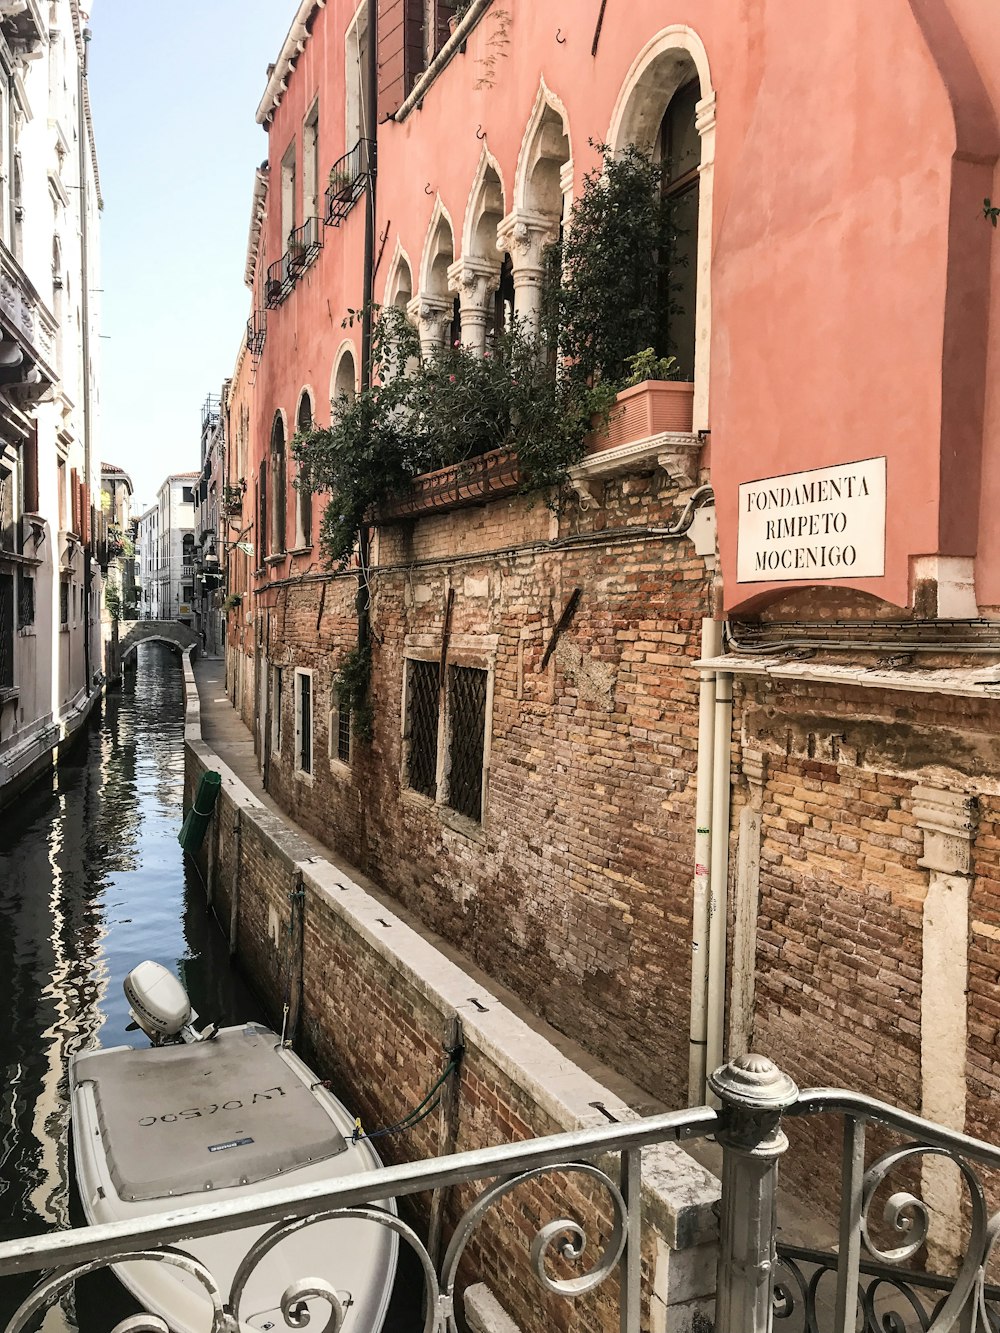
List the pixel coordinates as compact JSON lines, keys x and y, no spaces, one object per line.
{"x":92,"y":881}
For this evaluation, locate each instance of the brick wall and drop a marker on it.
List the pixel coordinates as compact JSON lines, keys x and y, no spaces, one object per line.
{"x":370,"y":1014}
{"x":576,"y":892}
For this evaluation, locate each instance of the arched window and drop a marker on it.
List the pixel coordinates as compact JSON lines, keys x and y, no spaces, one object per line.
{"x":303,"y":498}
{"x":278,"y":485}
{"x":344,"y":377}
{"x":679,"y":146}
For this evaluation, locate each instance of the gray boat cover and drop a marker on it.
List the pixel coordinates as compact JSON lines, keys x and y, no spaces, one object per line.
{"x":208,"y":1116}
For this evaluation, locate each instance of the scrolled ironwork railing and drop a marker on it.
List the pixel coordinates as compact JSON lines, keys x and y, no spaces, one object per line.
{"x":347,"y":180}
{"x":582,"y":1223}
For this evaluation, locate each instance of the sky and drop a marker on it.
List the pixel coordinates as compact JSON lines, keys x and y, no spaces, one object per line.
{"x":174,"y":90}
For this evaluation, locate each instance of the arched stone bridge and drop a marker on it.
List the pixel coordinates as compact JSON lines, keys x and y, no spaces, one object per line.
{"x":163,"y":631}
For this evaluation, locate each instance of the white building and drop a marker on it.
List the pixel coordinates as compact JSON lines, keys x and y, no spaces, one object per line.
{"x":173,"y":571}
{"x":147,"y":554}
{"x":50,"y":585}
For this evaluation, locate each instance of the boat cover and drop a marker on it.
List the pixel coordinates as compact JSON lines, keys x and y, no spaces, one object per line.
{"x":206,"y":1116}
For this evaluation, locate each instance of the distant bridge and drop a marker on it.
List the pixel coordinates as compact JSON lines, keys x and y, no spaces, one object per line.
{"x":171,"y":632}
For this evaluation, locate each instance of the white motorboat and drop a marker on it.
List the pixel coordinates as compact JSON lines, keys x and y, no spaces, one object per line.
{"x":224,"y":1114}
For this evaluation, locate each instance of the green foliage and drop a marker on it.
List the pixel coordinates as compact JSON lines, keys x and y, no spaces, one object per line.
{"x":451,"y":407}
{"x":990,"y":211}
{"x":118,"y":607}
{"x":232,"y":602}
{"x":646,"y":365}
{"x":351,"y":684}
{"x":614,"y":298}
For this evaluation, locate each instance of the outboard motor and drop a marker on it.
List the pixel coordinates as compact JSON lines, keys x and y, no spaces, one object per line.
{"x":160,"y":1006}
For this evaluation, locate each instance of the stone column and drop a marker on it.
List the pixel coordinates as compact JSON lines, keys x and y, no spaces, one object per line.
{"x":476,"y":282}
{"x":754,"y":1093}
{"x":948,"y":819}
{"x":525,"y":236}
{"x":431,"y":315}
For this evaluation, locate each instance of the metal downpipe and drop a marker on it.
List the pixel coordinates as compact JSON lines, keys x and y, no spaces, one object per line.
{"x":711,"y":646}
{"x":719,"y":877}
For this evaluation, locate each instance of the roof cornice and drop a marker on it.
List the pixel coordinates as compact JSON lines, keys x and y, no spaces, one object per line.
{"x":295,"y":44}
{"x":257,"y":209}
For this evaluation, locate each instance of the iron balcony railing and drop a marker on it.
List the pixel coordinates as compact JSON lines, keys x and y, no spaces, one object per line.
{"x":588,"y":1184}
{"x":347,"y":181}
{"x":304,"y":244}
{"x":256,"y":334}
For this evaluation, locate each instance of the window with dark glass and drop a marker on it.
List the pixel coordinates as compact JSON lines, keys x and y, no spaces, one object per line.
{"x":64,"y":602}
{"x":466,"y":739}
{"x":503,"y":301}
{"x":422,"y":712}
{"x":262,"y":513}
{"x":304,"y":423}
{"x":680,"y":153}
{"x":278,"y":485}
{"x":340,"y":732}
{"x":304,"y":718}
{"x":25,"y":599}
{"x":187,"y":495}
{"x":7,"y":536}
{"x":6,"y":631}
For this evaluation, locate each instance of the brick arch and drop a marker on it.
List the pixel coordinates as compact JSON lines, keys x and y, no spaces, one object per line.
{"x":170,"y":632}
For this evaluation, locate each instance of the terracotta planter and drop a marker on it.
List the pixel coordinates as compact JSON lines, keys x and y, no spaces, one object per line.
{"x":650,"y":408}
{"x":474,"y":481}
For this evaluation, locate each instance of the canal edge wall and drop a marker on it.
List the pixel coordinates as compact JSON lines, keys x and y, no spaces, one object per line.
{"x":369,"y":997}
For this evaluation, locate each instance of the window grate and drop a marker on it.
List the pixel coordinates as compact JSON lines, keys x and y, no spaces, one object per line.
{"x":422,"y":725}
{"x":6,"y":631}
{"x":466,"y":739}
{"x":25,"y":600}
{"x":344,"y":735}
{"x":64,"y":603}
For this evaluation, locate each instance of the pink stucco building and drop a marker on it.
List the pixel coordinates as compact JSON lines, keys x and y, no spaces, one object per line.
{"x":837,"y":889}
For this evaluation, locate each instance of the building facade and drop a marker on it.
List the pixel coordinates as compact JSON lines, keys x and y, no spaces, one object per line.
{"x":208,"y":595}
{"x":174,"y":536}
{"x":116,"y":556}
{"x":688,"y":769}
{"x":50,"y":585}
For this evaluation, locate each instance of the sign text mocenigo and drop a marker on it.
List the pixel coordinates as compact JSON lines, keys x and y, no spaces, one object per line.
{"x":828,"y":523}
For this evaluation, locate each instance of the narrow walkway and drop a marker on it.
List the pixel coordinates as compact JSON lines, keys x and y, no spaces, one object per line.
{"x":224,"y":730}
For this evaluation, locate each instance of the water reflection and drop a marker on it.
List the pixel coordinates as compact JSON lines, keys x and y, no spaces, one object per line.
{"x":92,"y":880}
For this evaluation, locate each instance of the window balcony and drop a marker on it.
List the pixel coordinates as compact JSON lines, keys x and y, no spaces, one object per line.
{"x":348,"y":178}
{"x":256,"y":333}
{"x":304,"y":244}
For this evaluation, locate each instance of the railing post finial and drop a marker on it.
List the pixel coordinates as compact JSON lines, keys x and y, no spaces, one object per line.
{"x":754,"y":1092}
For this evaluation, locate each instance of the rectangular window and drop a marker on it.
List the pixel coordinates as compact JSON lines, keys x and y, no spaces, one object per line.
{"x":276,"y":710}
{"x":6,"y":631}
{"x":25,"y":599}
{"x":287,"y":194}
{"x":187,"y":495}
{"x":29,"y":464}
{"x":187,"y":592}
{"x":64,"y":602}
{"x":466,"y":740}
{"x":422,"y":713}
{"x":303,"y":721}
{"x":340,"y":731}
{"x":7,"y":537}
{"x":61,"y":488}
{"x":310,"y":165}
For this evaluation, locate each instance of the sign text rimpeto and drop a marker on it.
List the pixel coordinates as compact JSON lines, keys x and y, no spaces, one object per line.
{"x":828,"y":523}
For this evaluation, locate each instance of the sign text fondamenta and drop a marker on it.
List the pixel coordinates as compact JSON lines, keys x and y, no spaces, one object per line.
{"x":825,"y":524}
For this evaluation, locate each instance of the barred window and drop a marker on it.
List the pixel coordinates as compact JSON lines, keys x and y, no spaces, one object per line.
{"x":25,"y":599}
{"x":340,"y":730}
{"x":276,"y":709}
{"x":466,"y":739}
{"x":422,"y":712}
{"x":6,"y":631}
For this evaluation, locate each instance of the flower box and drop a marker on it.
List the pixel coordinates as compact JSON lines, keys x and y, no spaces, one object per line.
{"x":655,"y":407}
{"x":473,"y":481}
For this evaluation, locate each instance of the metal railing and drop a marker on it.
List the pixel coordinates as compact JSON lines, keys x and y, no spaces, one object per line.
{"x":347,"y":180}
{"x":595,"y":1205}
{"x":256,"y":334}
{"x":304,"y":244}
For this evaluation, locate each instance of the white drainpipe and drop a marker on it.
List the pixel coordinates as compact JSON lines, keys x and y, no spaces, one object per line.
{"x":711,"y":646}
{"x":718,"y":897}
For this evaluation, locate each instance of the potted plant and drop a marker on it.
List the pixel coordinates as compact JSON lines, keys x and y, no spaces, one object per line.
{"x":340,"y":183}
{"x":296,"y":252}
{"x":233,"y":602}
{"x":611,"y":298}
{"x":652,"y":401}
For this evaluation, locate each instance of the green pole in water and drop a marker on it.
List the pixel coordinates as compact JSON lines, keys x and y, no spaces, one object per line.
{"x":192,"y":833}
